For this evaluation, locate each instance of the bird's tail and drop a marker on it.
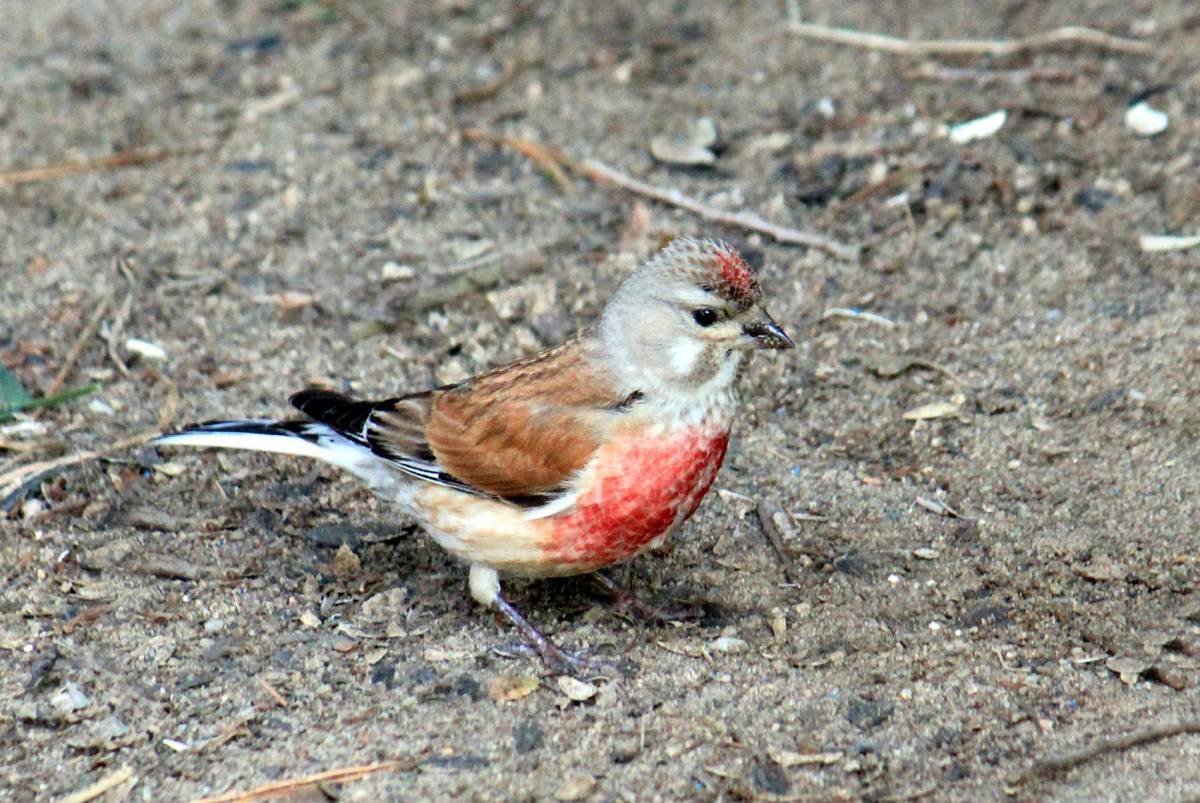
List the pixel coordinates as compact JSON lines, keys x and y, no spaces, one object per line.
{"x":301,"y":438}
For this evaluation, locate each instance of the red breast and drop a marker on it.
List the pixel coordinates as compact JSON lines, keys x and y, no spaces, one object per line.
{"x":640,"y":490}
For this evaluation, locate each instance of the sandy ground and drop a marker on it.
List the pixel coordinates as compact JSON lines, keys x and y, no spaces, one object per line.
{"x":958,"y":598}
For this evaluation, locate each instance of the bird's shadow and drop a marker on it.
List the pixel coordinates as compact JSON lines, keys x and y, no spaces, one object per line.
{"x":572,"y":598}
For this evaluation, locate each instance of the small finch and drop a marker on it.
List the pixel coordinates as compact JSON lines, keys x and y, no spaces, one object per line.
{"x":569,"y":461}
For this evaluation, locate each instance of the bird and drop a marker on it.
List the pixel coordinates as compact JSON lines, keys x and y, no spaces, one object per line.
{"x":567,"y":462}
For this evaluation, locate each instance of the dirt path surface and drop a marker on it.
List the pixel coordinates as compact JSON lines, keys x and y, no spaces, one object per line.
{"x":985,"y":500}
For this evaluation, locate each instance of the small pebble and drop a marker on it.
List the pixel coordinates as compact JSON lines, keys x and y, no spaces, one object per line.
{"x":1146,"y":121}
{"x":979,"y":128}
{"x":575,"y":787}
{"x":527,"y":736}
{"x":69,"y":698}
{"x":146,"y":349}
{"x":868,"y":714}
{"x":770,"y":778}
{"x":394,"y":271}
{"x":111,"y":728}
{"x":100,"y":406}
{"x":729,"y":644}
{"x":625,"y":750}
{"x":385,"y":673}
{"x":467,"y":686}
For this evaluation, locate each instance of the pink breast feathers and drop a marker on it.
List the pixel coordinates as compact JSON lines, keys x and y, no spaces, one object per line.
{"x":642,"y":487}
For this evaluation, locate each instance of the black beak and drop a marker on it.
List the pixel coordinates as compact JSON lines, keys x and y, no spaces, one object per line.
{"x":766,"y":334}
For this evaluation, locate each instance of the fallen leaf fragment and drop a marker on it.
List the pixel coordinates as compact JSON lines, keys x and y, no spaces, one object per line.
{"x":690,"y":148}
{"x":1129,"y":669}
{"x":506,"y":688}
{"x":345,"y":563}
{"x":171,"y":469}
{"x":575,"y":689}
{"x":889,"y":365}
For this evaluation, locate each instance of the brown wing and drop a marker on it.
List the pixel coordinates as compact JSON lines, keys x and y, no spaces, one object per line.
{"x":524,"y":429}
{"x":519,"y":431}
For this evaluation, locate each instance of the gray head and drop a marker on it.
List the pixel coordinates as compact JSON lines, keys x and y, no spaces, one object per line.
{"x":685,"y":319}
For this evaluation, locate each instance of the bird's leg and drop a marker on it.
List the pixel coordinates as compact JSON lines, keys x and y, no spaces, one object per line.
{"x":629,"y":602}
{"x":485,"y":588}
{"x":556,"y":659}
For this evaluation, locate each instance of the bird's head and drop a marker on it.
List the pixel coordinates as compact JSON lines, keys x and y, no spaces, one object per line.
{"x":686,"y":318}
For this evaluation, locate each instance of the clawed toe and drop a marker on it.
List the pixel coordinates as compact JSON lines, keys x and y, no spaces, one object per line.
{"x":558,"y":661}
{"x":555,"y":659}
{"x":582,"y":665}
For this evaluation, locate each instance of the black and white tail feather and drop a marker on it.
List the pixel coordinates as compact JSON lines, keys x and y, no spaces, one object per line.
{"x":340,"y":435}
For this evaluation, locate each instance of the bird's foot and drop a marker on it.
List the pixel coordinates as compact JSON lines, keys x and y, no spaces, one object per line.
{"x":556,"y":660}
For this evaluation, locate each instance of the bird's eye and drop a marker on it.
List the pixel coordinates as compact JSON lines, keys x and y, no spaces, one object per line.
{"x":705,"y":316}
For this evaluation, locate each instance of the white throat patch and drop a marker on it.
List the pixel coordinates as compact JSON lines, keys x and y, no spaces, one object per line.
{"x":684,"y":352}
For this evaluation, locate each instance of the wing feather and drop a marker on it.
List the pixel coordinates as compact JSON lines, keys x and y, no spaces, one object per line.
{"x":519,"y":432}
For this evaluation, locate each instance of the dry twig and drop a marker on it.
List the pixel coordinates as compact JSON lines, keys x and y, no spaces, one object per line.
{"x":479,"y":276}
{"x":74,"y":168}
{"x":1068,"y":761}
{"x":87,"y":333}
{"x":602,"y":173}
{"x":1058,"y":37}
{"x":229,"y":732}
{"x":940,"y":72}
{"x":293,"y":785}
{"x":552,"y":160}
{"x":766,"y":518}
{"x":276,"y":697}
{"x":84,"y":617}
{"x":478,"y":94}
{"x":12,"y":480}
{"x":112,"y":332}
{"x":109,"y":782}
{"x":166,"y":413}
{"x":915,"y":794}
